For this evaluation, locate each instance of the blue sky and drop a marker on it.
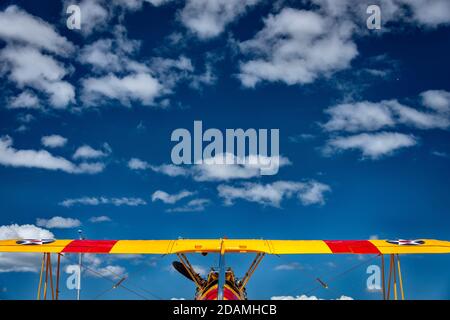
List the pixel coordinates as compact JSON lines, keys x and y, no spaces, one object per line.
{"x":363,"y":114}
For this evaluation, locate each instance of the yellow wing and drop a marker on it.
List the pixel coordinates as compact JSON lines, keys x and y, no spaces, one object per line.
{"x":278,"y":247}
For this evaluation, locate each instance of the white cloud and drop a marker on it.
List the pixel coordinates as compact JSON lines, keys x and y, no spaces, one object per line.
{"x":53,"y":141}
{"x":421,"y":12}
{"x":25,"y":118}
{"x":21,"y":262}
{"x":359,"y":116}
{"x":110,"y":271}
{"x":94,"y":16}
{"x":16,"y":25}
{"x":170,"y":198}
{"x":418,"y":119}
{"x":192,"y":206}
{"x":440,"y":154}
{"x":371,"y":116}
{"x":171,"y":170}
{"x":374,"y":116}
{"x":430,"y":13}
{"x":438,"y":100}
{"x":95,"y":266}
{"x":208,"y":18}
{"x":170,"y":72}
{"x":113,"y":55}
{"x":141,"y":87}
{"x":374,"y":145}
{"x":41,"y":159}
{"x":289,"y":267}
{"x":99,"y":219}
{"x":297,"y":47}
{"x":218,"y":168}
{"x":137,"y":164}
{"x":58,"y":223}
{"x":95,"y":201}
{"x":28,"y":67}
{"x":305,"y":297}
{"x":272,"y":194}
{"x":87,"y":152}
{"x":26,"y":99}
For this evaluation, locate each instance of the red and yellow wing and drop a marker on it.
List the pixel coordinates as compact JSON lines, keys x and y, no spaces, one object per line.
{"x":277,"y":247}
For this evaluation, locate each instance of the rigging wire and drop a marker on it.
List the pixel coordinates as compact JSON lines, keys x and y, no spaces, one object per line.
{"x":334,"y":278}
{"x":326,"y":283}
{"x":114,"y":282}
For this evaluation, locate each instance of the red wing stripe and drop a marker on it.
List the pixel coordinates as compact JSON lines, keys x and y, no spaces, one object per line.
{"x":89,"y":246}
{"x":352,"y":246}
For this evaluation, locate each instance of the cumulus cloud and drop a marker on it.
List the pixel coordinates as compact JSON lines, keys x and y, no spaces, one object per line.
{"x":98,"y":267}
{"x":367,"y":117}
{"x":289,"y":267}
{"x":29,"y":59}
{"x":58,"y":223}
{"x":113,"y":54}
{"x":297,"y":47}
{"x":99,"y":219}
{"x":429,"y":13}
{"x":374,"y":145}
{"x":16,"y":25}
{"x":167,"y":169}
{"x":97,"y":14}
{"x":359,"y":116}
{"x":171,"y":72}
{"x":28,"y":67}
{"x":94,"y":15}
{"x":425,"y":13}
{"x":41,"y":159}
{"x":198,"y":204}
{"x":137,"y":164}
{"x":140,"y":87}
{"x":193,"y":205}
{"x":438,"y":100}
{"x":53,"y":141}
{"x":26,"y":100}
{"x":21,"y":262}
{"x":272,"y":194}
{"x":370,"y":116}
{"x":96,"y":201}
{"x":170,"y":198}
{"x":221,"y":167}
{"x":87,"y":152}
{"x":208,"y":18}
{"x":170,"y":170}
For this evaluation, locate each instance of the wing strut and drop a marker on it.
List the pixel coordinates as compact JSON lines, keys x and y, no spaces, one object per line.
{"x":194,"y":276}
{"x":221,"y":283}
{"x":251,"y":270}
{"x":44,"y":279}
{"x":394,"y":276}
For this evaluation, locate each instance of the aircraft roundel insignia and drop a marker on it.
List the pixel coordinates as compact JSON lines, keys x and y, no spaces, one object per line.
{"x":34,"y":242}
{"x":402,"y":242}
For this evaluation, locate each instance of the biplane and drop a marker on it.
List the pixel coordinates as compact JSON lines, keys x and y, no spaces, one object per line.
{"x":222,"y":283}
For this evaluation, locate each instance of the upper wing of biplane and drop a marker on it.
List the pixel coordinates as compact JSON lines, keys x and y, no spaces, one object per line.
{"x":276,"y":247}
